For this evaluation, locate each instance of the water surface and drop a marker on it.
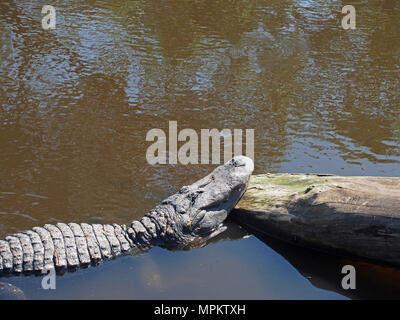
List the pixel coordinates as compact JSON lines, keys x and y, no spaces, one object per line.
{"x":76,"y":104}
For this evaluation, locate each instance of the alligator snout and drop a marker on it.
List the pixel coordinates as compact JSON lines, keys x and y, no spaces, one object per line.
{"x":242,"y":169}
{"x":223,"y":187}
{"x":242,"y":161}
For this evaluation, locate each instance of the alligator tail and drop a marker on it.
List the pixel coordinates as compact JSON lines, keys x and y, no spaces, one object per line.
{"x":66,"y":247}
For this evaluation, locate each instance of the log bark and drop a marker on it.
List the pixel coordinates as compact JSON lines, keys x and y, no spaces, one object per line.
{"x":359,"y":216}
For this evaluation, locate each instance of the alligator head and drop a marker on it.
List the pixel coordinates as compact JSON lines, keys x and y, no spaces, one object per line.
{"x":196,"y":213}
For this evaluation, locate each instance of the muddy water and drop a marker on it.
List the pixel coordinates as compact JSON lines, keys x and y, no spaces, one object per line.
{"x":77,"y":102}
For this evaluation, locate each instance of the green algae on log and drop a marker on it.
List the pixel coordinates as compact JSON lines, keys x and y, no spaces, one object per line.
{"x":351,"y":215}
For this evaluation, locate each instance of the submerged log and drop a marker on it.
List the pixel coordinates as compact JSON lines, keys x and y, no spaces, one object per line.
{"x":359,"y":216}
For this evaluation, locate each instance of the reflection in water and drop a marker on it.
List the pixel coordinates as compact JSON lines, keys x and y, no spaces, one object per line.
{"x":324,"y":271}
{"x":256,"y":274}
{"x":218,"y":270}
{"x":76,"y":102}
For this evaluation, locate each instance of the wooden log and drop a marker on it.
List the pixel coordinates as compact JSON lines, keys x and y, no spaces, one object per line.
{"x":347,"y":215}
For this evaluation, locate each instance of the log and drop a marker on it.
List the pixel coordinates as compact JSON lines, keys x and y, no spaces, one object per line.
{"x":356,"y":216}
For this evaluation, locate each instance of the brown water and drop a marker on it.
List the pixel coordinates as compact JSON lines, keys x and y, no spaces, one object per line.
{"x":77,"y":102}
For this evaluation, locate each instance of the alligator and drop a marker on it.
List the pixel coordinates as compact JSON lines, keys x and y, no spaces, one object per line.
{"x":189,"y":218}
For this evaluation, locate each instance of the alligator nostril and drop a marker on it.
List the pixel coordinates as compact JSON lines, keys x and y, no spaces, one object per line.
{"x":238,"y":163}
{"x":242,"y":161}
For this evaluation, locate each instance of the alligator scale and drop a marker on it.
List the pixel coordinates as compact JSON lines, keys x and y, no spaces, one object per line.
{"x":193,"y":215}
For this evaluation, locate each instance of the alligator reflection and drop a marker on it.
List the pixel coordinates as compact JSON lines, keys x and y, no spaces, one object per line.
{"x":232,"y":232}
